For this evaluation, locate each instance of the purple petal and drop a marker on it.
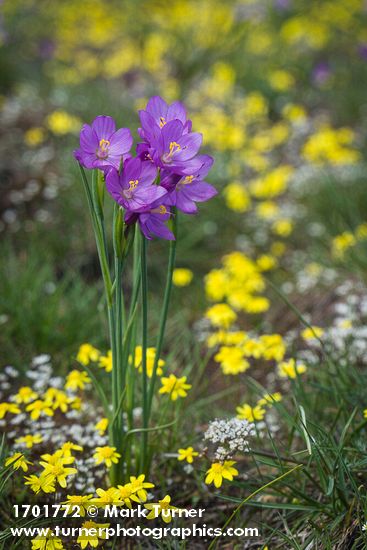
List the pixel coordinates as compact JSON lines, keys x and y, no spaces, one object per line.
{"x":157,"y":107}
{"x":121,"y":142}
{"x":151,"y":224}
{"x":169,"y":181}
{"x":185,"y":204}
{"x":187,"y":168}
{"x":199,"y":192}
{"x":148,"y":173}
{"x":172,"y":131}
{"x":88,"y":139}
{"x":207,"y":163}
{"x":187,"y":126}
{"x":145,"y":196}
{"x":104,"y":126}
{"x":190,"y":145}
{"x":176,"y":110}
{"x":86,"y":159}
{"x":113,"y":182}
{"x":131,"y":169}
{"x":150,"y":128}
{"x":113,"y":161}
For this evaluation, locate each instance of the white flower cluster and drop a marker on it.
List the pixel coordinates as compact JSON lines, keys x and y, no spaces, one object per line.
{"x":232,"y":434}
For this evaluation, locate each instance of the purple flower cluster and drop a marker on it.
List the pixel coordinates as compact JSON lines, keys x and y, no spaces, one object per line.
{"x":167,"y":172}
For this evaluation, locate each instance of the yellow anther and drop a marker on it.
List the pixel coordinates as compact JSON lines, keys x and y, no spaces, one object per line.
{"x":162,"y":121}
{"x":173,"y":147}
{"x":104,"y":144}
{"x":133,"y":184}
{"x":102,"y":151}
{"x":188,"y":179}
{"x":162,"y":209}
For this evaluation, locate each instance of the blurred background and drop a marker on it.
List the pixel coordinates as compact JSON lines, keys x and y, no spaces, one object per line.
{"x":277,"y":87}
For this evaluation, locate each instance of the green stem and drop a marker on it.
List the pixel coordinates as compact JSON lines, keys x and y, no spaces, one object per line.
{"x":96,"y":212}
{"x":129,"y":344}
{"x":164,"y":312}
{"x":119,"y":325}
{"x":144,"y":294}
{"x":98,"y":228}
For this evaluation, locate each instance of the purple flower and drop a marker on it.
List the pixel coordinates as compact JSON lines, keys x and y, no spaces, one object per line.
{"x":362,"y":50}
{"x":157,"y":113}
{"x":134,"y":188}
{"x":282,"y":4}
{"x":101,"y":146}
{"x":152,"y":222}
{"x":174,"y":150}
{"x":321,"y":73}
{"x":184,"y":191}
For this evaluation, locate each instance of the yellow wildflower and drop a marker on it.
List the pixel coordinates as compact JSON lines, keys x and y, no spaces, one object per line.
{"x":150,"y":358}
{"x":215,"y":284}
{"x":233,"y":338}
{"x":161,"y":508}
{"x":91,"y":533}
{"x":81,"y":501}
{"x":218,"y":471}
{"x":231,"y":360}
{"x":58,"y":399}
{"x":140,"y":485}
{"x":237,"y":197}
{"x":282,"y":227}
{"x":187,"y":454}
{"x":272,"y":184}
{"x":29,"y":440}
{"x":126,"y":494}
{"x":38,"y":408}
{"x":8,"y":408}
{"x":274,"y":347}
{"x":76,"y":380}
{"x":281,"y":80}
{"x":252,"y":348}
{"x":108,"y":496}
{"x":294,"y":112}
{"x":267,"y":209}
{"x":34,"y":136}
{"x":270,"y":399}
{"x":361,"y":231}
{"x":221,"y":315}
{"x":60,"y":122}
{"x":102,"y":425}
{"x":246,"y":412}
{"x":60,"y":470}
{"x":67,"y":447}
{"x":312,"y":333}
{"x":47,"y":541}
{"x":329,"y":145}
{"x":105,"y":361}
{"x":106,"y":455}
{"x":25,"y":395}
{"x":341,"y":243}
{"x":18,"y":460}
{"x":41,"y":483}
{"x":290,"y":369}
{"x":175,"y":387}
{"x":182,"y":276}
{"x":266,"y":262}
{"x":87,"y":353}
